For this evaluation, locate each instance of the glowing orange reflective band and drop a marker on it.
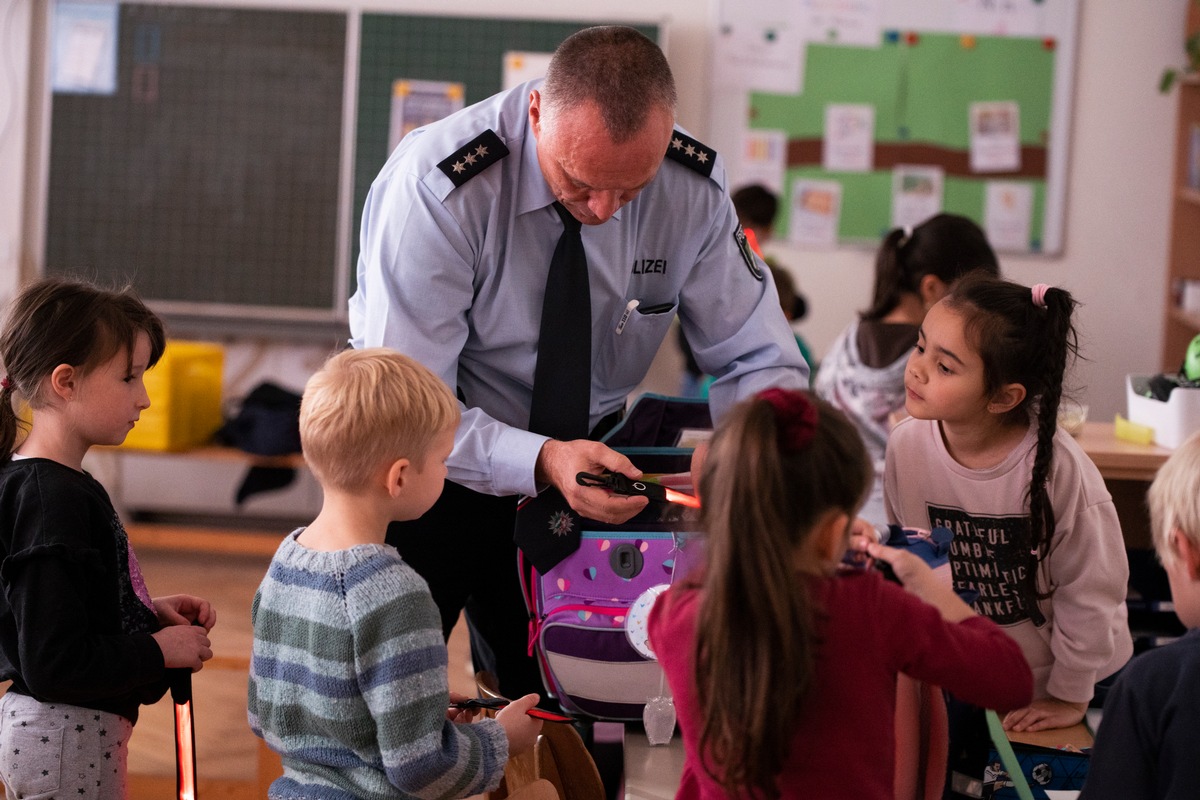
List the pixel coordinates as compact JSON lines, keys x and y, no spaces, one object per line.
{"x":691,"y":501}
{"x":185,"y":777}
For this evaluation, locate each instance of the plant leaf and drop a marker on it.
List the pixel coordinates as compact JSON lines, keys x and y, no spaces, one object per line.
{"x":1167,"y":80}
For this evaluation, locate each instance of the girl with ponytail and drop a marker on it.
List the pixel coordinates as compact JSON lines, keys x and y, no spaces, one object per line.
{"x":783,"y":667}
{"x":1036,"y":535}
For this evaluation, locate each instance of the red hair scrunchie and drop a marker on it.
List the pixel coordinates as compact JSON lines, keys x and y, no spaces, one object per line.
{"x":795,"y":417}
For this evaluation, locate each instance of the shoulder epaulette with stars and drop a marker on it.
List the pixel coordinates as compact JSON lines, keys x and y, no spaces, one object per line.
{"x":473,"y":157}
{"x":691,"y":154}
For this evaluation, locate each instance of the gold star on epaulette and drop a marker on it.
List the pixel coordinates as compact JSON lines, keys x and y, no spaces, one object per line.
{"x":473,"y":157}
{"x":691,"y":153}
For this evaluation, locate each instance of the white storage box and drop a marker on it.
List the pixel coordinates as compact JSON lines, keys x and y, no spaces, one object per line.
{"x":1172,"y":421}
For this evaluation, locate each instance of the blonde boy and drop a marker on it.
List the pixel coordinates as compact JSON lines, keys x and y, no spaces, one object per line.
{"x":1146,"y":744}
{"x":348,"y":676}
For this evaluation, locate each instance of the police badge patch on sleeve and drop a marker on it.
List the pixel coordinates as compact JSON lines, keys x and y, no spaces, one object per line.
{"x":748,"y":256}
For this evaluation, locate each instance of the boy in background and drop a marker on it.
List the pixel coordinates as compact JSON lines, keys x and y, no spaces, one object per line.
{"x":756,"y":208}
{"x":1146,"y":744}
{"x":348,"y":675}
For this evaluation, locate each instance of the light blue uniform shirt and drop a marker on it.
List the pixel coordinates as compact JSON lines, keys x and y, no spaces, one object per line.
{"x":454,"y":277}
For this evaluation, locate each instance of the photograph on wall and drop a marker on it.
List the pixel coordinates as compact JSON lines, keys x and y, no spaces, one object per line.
{"x":417,"y":103}
{"x":995,"y":137}
{"x":816,"y":206}
{"x":916,"y":194}
{"x":1007,"y":212}
{"x":849,"y":143}
{"x":762,"y":159}
{"x":84,"y":48}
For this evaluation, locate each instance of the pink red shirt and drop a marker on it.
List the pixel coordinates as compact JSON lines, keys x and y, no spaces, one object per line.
{"x":843,"y":744}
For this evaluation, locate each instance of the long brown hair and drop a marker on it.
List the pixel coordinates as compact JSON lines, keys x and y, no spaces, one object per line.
{"x":58,"y":321}
{"x":764,"y":491}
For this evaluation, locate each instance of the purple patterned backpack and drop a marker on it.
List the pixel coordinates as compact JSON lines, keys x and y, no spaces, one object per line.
{"x":579,"y":606}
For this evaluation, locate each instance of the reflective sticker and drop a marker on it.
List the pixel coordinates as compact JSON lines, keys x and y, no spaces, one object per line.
{"x":748,"y":256}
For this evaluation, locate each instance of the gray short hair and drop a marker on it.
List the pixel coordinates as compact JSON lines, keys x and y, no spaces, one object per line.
{"x":619,"y":69}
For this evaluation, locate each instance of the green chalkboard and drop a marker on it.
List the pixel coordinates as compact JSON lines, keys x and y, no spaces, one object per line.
{"x":209,"y":177}
{"x":212,"y":173}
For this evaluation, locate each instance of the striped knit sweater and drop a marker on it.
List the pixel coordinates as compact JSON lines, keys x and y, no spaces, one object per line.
{"x":348,"y":682}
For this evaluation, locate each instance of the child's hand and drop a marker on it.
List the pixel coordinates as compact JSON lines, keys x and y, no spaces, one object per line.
{"x":460,"y":714}
{"x":919,"y":580}
{"x":1043,"y":714}
{"x":184,"y":646}
{"x":862,"y":533}
{"x":522,"y":730}
{"x":184,"y":609}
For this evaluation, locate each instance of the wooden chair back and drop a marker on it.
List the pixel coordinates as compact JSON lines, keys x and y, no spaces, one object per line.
{"x":559,"y":758}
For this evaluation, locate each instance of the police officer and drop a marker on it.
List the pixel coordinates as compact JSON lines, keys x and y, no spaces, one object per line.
{"x":458,"y":233}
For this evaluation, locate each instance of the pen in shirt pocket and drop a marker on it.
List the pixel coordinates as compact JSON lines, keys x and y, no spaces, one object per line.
{"x":648,"y":311}
{"x":629,"y":308}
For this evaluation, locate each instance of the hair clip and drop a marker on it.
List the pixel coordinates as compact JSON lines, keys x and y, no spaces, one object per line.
{"x":617,"y":483}
{"x":795,"y":417}
{"x":497,"y":703}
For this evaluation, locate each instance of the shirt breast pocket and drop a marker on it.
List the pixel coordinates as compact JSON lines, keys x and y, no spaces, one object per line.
{"x":631,"y":344}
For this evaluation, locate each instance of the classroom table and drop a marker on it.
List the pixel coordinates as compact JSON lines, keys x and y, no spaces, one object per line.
{"x":1127,"y":469}
{"x":1118,"y":459}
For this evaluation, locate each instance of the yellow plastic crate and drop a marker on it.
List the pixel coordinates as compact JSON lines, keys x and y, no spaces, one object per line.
{"x":185,"y":398}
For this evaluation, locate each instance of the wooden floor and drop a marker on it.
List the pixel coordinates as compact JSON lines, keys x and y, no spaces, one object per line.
{"x":225,"y":567}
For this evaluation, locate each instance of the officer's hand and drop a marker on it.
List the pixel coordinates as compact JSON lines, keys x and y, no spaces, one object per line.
{"x":559,"y":462}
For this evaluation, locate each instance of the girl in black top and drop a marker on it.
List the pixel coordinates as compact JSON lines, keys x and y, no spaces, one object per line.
{"x":81,"y":639}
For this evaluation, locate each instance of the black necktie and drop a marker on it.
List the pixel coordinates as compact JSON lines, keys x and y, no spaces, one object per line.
{"x":563,"y":376}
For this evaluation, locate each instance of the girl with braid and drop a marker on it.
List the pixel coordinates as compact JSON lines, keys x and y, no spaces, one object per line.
{"x":1036,"y":535}
{"x":863,"y":372}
